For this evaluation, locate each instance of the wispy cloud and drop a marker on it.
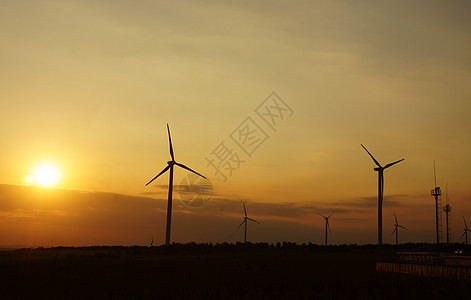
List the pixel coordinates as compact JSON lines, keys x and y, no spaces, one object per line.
{"x":372,"y":201}
{"x":97,"y":217}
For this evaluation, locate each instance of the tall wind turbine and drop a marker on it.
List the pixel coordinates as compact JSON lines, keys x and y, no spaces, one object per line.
{"x":380,"y":169}
{"x":465,"y":233}
{"x":326,"y":224}
{"x":245,"y":221}
{"x":170,"y":165}
{"x":396,"y":229}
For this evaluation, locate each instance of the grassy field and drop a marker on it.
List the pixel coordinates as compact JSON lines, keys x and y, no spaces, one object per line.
{"x":223,"y":271}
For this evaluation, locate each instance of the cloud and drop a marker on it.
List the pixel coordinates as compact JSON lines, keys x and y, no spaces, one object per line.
{"x":62,"y":207}
{"x":82,"y":217}
{"x":32,"y":215}
{"x":83,"y":212}
{"x":372,"y":201}
{"x":75,"y":208}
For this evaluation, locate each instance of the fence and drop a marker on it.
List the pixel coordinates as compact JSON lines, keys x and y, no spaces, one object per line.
{"x":449,"y":272}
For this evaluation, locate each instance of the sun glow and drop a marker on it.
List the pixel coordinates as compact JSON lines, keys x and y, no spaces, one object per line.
{"x":45,"y":174}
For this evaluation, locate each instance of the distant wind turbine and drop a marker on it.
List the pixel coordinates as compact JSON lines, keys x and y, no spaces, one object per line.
{"x":465,"y":233}
{"x":245,"y":221}
{"x":170,"y":165}
{"x":326,"y":224}
{"x":380,"y":169}
{"x":396,"y":229}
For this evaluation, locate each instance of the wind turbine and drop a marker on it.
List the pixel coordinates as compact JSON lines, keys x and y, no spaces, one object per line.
{"x":326,"y":224}
{"x":396,"y":230}
{"x":245,"y":221}
{"x":465,"y":233}
{"x":380,"y":169}
{"x":170,"y":165}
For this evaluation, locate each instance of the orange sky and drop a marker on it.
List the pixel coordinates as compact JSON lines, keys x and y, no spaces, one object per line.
{"x":91,"y":87}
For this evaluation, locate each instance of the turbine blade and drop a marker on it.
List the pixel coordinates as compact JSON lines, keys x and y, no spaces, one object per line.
{"x":161,"y":172}
{"x":395,"y":217}
{"x":170,"y":143}
{"x":253,"y":220}
{"x":185,"y":167}
{"x":245,"y":211}
{"x":321,"y":215}
{"x":242,"y":223}
{"x":331,"y":215}
{"x":465,"y":226}
{"x":376,"y":162}
{"x":328,"y":225}
{"x":391,"y":164}
{"x":402,"y":227}
{"x":463,"y":234}
{"x":394,"y":231}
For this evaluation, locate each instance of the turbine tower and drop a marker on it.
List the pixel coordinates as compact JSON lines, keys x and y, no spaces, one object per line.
{"x":465,"y":233}
{"x":326,"y":224}
{"x":245,"y":221}
{"x":396,"y":229}
{"x":170,"y":165}
{"x":380,"y":169}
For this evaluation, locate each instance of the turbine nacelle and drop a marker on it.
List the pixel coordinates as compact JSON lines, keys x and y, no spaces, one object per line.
{"x":326,"y":218}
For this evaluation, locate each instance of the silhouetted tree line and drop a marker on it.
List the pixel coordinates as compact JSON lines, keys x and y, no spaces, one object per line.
{"x":210,"y":248}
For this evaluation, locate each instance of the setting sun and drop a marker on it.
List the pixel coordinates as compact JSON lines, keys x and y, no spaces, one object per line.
{"x":45,"y":174}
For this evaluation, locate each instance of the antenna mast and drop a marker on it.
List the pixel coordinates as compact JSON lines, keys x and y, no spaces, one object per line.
{"x":436,"y":192}
{"x":447,"y":210}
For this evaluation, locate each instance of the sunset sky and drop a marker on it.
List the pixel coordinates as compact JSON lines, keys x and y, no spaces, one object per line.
{"x":89,"y":86}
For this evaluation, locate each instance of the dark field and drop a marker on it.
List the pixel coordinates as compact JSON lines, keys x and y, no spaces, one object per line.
{"x":223,"y":271}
